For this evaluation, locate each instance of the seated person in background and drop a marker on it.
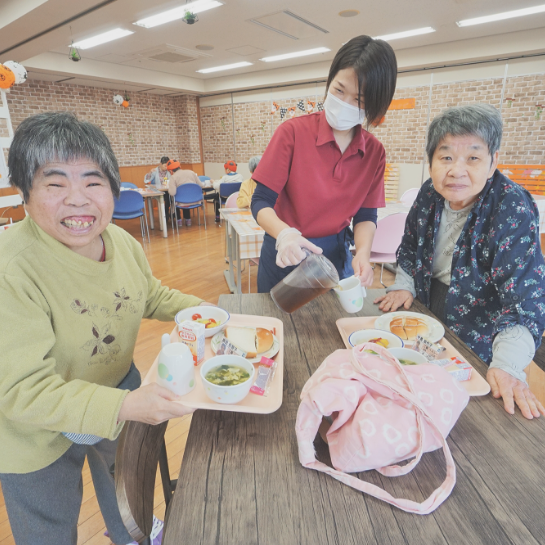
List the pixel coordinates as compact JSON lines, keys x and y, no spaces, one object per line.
{"x":247,"y":188}
{"x":159,"y":174}
{"x":74,"y":290}
{"x":177,"y":178}
{"x":231,"y":176}
{"x":471,"y":252}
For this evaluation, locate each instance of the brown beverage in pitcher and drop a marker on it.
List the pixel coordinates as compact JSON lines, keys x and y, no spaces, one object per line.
{"x":313,"y":277}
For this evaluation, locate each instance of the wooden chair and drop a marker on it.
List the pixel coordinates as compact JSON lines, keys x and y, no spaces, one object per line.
{"x":141,"y":448}
{"x":531,"y":177}
{"x":391,"y":181}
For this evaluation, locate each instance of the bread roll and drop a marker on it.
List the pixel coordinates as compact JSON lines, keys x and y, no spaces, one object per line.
{"x":396,"y":327}
{"x":408,"y":328}
{"x":264,"y":339}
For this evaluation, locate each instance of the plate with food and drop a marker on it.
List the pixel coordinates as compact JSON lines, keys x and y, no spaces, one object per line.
{"x":254,"y":342}
{"x":407,"y":325}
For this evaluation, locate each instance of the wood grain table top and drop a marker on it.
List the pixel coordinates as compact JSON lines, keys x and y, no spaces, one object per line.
{"x":241,"y":482}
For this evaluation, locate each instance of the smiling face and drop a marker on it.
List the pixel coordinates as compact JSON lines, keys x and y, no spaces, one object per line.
{"x":73,"y":203}
{"x":460,"y":167}
{"x":344,"y":86}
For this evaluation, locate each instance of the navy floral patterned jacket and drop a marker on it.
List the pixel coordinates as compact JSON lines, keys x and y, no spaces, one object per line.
{"x":498,"y":270}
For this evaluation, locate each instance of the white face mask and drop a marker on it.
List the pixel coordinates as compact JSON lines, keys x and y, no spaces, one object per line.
{"x":340,"y":115}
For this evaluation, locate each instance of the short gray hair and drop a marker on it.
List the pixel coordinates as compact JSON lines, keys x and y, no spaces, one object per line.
{"x":58,"y":136}
{"x":253,"y":162}
{"x":482,"y":120}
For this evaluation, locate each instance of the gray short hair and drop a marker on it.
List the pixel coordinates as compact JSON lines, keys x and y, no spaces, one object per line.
{"x":58,"y":136}
{"x":253,"y":162}
{"x":482,"y":120}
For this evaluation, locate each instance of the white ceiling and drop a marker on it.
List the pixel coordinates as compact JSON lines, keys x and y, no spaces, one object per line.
{"x":38,"y":33}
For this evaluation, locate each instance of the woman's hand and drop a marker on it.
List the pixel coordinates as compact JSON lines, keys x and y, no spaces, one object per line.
{"x":151,"y":404}
{"x":363,"y":270}
{"x":514,"y":391}
{"x":289,"y":246}
{"x":394,"y":300}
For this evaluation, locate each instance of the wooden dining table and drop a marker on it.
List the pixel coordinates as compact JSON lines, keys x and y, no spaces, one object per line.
{"x":241,"y":482}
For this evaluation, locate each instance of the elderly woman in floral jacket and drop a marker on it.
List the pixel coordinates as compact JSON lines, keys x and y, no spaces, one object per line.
{"x":471,"y":252}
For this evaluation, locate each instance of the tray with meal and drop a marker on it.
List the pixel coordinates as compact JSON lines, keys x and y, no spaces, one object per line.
{"x":256,"y":341}
{"x":402,"y":332}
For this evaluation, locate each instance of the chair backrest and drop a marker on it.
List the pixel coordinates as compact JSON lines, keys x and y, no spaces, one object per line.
{"x":231,"y":201}
{"x":188,"y":193}
{"x":129,"y":185}
{"x":531,"y":177}
{"x":391,"y":181}
{"x":128,"y":202}
{"x":229,"y":188}
{"x":204,"y":178}
{"x":409,"y":196}
{"x":389,"y":233}
{"x":135,"y":470}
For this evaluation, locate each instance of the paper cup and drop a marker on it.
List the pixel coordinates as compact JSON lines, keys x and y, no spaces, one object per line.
{"x":351,"y":294}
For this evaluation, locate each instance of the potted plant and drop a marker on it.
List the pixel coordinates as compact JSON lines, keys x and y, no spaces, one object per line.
{"x":73,"y":54}
{"x":190,"y":17}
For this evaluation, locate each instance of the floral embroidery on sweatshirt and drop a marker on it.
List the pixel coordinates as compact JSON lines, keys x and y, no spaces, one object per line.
{"x":102,"y":343}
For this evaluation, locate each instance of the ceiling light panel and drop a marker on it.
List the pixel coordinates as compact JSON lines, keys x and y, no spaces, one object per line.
{"x":103,"y":38}
{"x":177,"y":13}
{"x":406,"y":34}
{"x":502,"y":16}
{"x":224,"y":67}
{"x":296,"y":54}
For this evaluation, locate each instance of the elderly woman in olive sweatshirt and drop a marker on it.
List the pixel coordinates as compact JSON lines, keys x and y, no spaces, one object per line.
{"x":73,"y":290}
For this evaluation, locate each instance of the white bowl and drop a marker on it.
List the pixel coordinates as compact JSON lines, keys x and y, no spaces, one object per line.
{"x":227,"y":394}
{"x":365,"y":335}
{"x":407,"y":354}
{"x":221,"y":316}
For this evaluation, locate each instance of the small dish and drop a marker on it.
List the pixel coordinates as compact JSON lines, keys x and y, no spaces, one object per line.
{"x":406,"y":354}
{"x":366,"y":335}
{"x":227,"y":394}
{"x":221,"y":316}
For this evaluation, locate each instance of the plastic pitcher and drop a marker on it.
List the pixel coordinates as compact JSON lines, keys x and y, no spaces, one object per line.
{"x":315,"y":275}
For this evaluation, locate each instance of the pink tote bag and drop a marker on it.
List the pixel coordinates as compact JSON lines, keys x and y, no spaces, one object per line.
{"x":385,"y":413}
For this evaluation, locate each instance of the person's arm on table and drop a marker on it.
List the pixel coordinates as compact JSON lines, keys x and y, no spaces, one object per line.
{"x":400,"y":294}
{"x":289,"y":241}
{"x":517,"y":272}
{"x":365,"y":225}
{"x":512,"y":351}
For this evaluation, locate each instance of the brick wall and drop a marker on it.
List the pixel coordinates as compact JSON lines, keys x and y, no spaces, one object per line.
{"x":403,"y":132}
{"x":151,"y":127}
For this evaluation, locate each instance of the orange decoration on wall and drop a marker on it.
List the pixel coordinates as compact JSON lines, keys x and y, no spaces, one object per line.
{"x":7,"y":77}
{"x":379,"y":122}
{"x":403,"y":104}
{"x":125,"y":104}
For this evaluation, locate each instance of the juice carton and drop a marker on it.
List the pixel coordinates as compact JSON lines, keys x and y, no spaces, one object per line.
{"x":192,"y":334}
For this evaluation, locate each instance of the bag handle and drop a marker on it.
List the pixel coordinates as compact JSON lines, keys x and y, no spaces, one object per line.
{"x":311,"y":413}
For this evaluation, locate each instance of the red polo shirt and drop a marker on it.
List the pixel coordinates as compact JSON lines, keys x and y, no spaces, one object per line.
{"x":320,"y":190}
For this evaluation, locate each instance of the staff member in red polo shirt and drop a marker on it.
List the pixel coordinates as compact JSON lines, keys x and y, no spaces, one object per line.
{"x":322,"y":170}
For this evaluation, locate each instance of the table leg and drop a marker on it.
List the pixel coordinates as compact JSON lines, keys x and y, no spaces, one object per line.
{"x":150,"y":208}
{"x":162,"y":215}
{"x":228,"y":273}
{"x":239,"y":281}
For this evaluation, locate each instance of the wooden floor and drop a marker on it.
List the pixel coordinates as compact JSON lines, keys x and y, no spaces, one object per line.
{"x":192,"y":262}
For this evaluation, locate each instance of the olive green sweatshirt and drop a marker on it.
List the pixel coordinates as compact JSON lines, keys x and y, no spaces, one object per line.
{"x":68,"y":328}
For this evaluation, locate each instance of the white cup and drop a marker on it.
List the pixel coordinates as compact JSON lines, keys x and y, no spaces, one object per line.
{"x":351,"y":294}
{"x":176,"y":370}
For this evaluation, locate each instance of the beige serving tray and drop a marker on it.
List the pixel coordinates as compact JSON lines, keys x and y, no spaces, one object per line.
{"x":252,"y":403}
{"x":475,"y":386}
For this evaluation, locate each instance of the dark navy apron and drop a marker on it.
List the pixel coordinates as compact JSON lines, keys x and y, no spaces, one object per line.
{"x":336,"y":248}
